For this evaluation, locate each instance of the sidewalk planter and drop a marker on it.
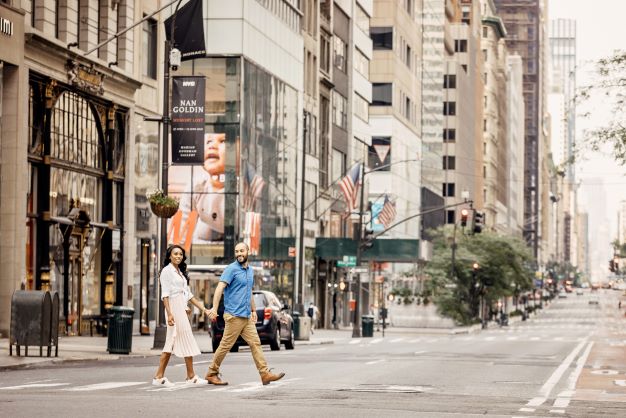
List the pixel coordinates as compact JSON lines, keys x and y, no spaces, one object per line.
{"x":34,"y":321}
{"x":120,"y":337}
{"x":367,"y":326}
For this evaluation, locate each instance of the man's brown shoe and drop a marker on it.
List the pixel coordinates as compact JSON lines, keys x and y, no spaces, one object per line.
{"x":215,"y":380}
{"x":268,"y":377}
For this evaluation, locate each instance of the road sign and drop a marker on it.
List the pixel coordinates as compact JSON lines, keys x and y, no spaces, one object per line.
{"x":348,"y":261}
{"x":359,"y":270}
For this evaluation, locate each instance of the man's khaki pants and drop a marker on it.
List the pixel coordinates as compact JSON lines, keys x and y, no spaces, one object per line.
{"x":236,"y":326}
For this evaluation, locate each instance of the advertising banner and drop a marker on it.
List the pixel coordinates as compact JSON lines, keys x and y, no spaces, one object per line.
{"x":188,"y":120}
{"x":187,"y":30}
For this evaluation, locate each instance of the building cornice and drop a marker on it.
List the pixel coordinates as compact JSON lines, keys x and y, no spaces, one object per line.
{"x":497,"y":24}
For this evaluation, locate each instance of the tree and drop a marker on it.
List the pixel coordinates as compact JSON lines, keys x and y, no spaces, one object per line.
{"x":610,"y":86}
{"x":503,"y":269}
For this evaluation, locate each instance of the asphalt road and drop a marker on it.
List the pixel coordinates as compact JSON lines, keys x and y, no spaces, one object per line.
{"x":556,"y":364}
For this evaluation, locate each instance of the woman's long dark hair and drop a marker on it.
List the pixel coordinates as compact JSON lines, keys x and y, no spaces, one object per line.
{"x":182,"y":266}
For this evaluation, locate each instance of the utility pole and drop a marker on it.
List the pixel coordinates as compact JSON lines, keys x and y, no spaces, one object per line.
{"x":161,"y":329}
{"x":356,"y":328}
{"x":299,"y":282}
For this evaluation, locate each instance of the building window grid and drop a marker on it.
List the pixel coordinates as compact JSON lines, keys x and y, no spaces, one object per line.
{"x":449,"y":162}
{"x":361,"y":107}
{"x":340,"y":110}
{"x":149,"y":46}
{"x":340,"y":54}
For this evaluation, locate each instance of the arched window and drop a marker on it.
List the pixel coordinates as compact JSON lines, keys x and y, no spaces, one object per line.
{"x":75,"y":132}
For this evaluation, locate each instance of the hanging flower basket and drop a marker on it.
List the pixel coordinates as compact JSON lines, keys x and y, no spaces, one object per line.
{"x":162,"y":205}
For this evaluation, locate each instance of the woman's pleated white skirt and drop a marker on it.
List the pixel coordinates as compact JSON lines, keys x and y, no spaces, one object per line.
{"x":179,"y":339}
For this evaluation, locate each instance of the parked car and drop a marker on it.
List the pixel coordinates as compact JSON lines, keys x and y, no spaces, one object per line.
{"x":562,"y":294}
{"x":594,"y":300}
{"x":579,"y":291}
{"x":274,"y":323}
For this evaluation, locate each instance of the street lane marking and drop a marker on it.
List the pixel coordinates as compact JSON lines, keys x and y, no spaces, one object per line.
{"x":397,"y":340}
{"x":376,"y":341}
{"x":561,"y":402}
{"x":557,"y":411}
{"x":415,"y":340}
{"x":604,"y":372}
{"x":573,"y":378}
{"x":195,"y":362}
{"x":556,"y":376}
{"x":34,"y":385}
{"x":536,"y":401}
{"x":382,"y":360}
{"x":103,"y":386}
{"x":420,"y":352}
{"x":620,"y":382}
{"x":490,"y":338}
{"x":527,"y":409}
{"x":355,"y":341}
{"x":511,"y":338}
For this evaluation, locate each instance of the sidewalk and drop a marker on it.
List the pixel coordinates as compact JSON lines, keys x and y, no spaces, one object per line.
{"x":95,"y":348}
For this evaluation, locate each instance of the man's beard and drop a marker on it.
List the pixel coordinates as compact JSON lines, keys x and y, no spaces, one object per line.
{"x":245,"y":259}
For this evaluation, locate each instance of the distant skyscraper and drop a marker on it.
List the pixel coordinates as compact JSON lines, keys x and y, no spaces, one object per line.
{"x":563,"y":51}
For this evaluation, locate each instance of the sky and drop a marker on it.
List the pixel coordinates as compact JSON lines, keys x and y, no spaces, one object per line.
{"x":600,"y":32}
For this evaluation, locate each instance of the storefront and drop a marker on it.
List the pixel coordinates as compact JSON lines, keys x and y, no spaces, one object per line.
{"x":246,"y":188}
{"x":76,"y":169}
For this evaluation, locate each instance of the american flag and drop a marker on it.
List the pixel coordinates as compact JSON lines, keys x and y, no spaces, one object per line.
{"x":252,"y":188}
{"x":387,"y":213}
{"x":350,"y":186}
{"x":252,"y":232}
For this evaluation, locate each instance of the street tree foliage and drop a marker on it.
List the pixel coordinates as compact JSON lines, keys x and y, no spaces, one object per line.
{"x":610,"y":87}
{"x":503,"y":269}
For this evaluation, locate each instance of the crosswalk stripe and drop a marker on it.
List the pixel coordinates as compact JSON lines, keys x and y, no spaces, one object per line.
{"x":103,"y":386}
{"x":355,"y":341}
{"x":34,"y":385}
{"x":397,"y":340}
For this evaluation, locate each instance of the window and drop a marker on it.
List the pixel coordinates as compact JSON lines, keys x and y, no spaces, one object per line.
{"x":407,"y":108}
{"x":484,"y":125}
{"x":465,"y":14}
{"x":460,"y":45}
{"x":485,"y":102}
{"x":149,"y":48}
{"x":310,"y":133}
{"x":325,"y":52}
{"x":362,"y":19}
{"x":361,"y":63}
{"x":361,"y":107}
{"x":339,"y":164}
{"x":407,"y":58}
{"x":448,"y":189}
{"x":379,"y":154}
{"x":408,"y":6}
{"x":449,"y":81}
{"x":324,"y":144}
{"x":485,"y":32}
{"x":450,"y":217}
{"x":449,"y":162}
{"x":382,"y":38}
{"x":310,"y":194}
{"x":340,"y":110}
{"x":381,"y":94}
{"x":485,"y":55}
{"x":340,"y":54}
{"x":449,"y":108}
{"x":449,"y":135}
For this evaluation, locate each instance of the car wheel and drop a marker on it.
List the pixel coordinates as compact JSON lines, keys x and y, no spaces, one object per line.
{"x":275,"y":342}
{"x":289,"y":344}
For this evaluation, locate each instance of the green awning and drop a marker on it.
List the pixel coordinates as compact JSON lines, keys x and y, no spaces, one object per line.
{"x":391,"y":250}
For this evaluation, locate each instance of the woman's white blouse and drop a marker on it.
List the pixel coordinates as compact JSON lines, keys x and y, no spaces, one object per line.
{"x":173,"y":283}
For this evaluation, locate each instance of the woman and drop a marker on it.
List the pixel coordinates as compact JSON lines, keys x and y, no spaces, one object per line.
{"x":176,"y":294}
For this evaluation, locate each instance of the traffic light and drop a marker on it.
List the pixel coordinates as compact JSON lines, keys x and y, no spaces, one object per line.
{"x":464,"y":215}
{"x":479,"y":222}
{"x":368,"y":238}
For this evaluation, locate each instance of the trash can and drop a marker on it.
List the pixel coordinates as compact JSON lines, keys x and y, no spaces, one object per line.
{"x":301,"y":326}
{"x":120,"y":336}
{"x":367,"y":326}
{"x":296,"y":323}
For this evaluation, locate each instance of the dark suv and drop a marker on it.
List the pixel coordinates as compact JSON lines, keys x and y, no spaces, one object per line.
{"x":274,"y":324}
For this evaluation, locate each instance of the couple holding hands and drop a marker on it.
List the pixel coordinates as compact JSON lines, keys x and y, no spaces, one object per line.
{"x":239,"y":316}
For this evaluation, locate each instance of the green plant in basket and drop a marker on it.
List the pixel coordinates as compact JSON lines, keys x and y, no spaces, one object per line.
{"x":162,"y":205}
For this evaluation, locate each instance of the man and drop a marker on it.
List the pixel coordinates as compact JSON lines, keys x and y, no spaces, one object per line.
{"x":239,"y":317}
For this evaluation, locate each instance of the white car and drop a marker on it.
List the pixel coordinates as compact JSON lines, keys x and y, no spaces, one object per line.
{"x":579,"y":291}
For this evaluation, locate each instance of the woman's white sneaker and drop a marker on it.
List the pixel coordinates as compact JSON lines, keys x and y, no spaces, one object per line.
{"x":163,"y":382}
